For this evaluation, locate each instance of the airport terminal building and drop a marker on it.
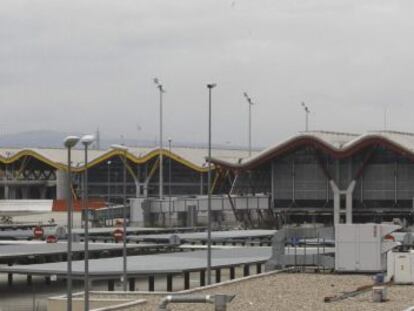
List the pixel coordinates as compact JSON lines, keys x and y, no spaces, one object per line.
{"x":314,"y":176}
{"x":367,"y":177}
{"x":39,"y":173}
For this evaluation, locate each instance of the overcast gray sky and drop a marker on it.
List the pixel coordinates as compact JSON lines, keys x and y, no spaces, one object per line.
{"x":81,"y":64}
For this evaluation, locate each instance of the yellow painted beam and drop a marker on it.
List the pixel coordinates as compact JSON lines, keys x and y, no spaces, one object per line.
{"x":22,"y":166}
{"x":153,"y":169}
{"x":213,"y":186}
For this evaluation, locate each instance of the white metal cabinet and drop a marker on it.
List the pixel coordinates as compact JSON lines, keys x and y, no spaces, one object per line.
{"x":403,"y":268}
{"x":362,"y":247}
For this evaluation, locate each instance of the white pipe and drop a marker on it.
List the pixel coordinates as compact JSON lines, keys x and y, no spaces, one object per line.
{"x":219,"y":301}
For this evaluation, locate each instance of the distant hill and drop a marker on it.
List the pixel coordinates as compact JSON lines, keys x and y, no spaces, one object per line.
{"x":33,"y":139}
{"x":54,"y":139}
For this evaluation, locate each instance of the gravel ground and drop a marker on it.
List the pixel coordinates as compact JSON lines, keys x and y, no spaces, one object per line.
{"x":297,"y":292}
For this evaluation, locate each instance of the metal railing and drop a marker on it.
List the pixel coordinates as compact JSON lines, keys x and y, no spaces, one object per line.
{"x":182,"y":204}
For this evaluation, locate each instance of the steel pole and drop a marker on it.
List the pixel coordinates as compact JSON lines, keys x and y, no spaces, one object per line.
{"x":124,"y":249}
{"x":307,"y":121}
{"x":69,"y":255}
{"x":250,"y":129}
{"x":210,"y":86}
{"x":161,"y":186}
{"x":111,"y":221}
{"x":169,"y":169}
{"x":169,"y":184}
{"x":86,"y":224}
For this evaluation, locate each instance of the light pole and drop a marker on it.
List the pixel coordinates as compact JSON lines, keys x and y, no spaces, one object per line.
{"x":69,"y":143}
{"x":109,"y":193}
{"x":307,"y":112}
{"x":210,"y":87}
{"x":250,"y":102}
{"x":169,"y":166}
{"x":86,"y":141}
{"x":385,"y":117}
{"x":169,"y":181}
{"x":124,"y":151}
{"x":162,"y":91}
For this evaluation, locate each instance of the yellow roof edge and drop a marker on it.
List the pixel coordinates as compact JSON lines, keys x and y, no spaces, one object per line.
{"x":138,"y":160}
{"x":32,"y":153}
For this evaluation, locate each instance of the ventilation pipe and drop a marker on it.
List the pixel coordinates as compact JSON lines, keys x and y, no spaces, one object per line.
{"x":220,"y":301}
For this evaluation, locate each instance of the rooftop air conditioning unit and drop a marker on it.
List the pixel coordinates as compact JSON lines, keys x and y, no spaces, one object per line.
{"x":363,"y":247}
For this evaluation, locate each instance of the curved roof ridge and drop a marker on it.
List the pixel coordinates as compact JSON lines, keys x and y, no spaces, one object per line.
{"x":329,"y":132}
{"x":392,"y":132}
{"x":394,"y":142}
{"x":193,"y":158}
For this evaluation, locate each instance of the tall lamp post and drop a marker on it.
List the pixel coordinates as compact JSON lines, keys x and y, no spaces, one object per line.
{"x":86,"y":141}
{"x":210,"y":87}
{"x":307,"y":112}
{"x":169,"y":181}
{"x":69,"y":143}
{"x":169,"y":166}
{"x":124,"y":151}
{"x":109,"y":193}
{"x":161,"y":181}
{"x":250,"y":102}
{"x":385,"y":117}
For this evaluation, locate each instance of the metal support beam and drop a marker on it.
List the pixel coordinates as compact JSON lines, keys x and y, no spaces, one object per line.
{"x":111,"y":285}
{"x":233,"y":184}
{"x":169,"y":282}
{"x":218,"y":275}
{"x":151,"y":283}
{"x":232,"y":273}
{"x":258,"y":268}
{"x":246,"y":270}
{"x":131,"y":282}
{"x":293,"y":182}
{"x":133,"y":174}
{"x":202,"y":277}
{"x":10,"y":279}
{"x":216,"y":177}
{"x":186,"y":280}
{"x":151,"y":173}
{"x":201,"y":184}
{"x":349,"y":193}
{"x":396,"y":183}
{"x":29,"y":279}
{"x":337,"y":201}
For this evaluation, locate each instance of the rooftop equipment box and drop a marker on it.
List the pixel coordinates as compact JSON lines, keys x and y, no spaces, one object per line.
{"x":401,"y":267}
{"x":363,"y":247}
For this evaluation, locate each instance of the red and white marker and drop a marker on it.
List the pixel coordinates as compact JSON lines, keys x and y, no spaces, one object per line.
{"x":118,"y":234}
{"x":51,"y":239}
{"x":38,"y":232}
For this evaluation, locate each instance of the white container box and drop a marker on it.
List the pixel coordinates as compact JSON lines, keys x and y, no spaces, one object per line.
{"x":404,"y":267}
{"x":362,"y":247}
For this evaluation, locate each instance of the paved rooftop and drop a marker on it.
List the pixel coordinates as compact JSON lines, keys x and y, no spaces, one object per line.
{"x":158,"y":263}
{"x":287,"y":292}
{"x":38,"y":249}
{"x":149,"y":264}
